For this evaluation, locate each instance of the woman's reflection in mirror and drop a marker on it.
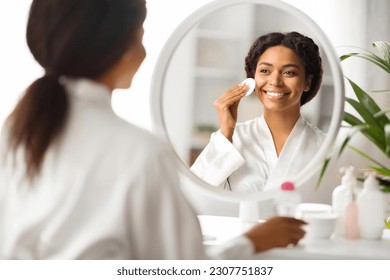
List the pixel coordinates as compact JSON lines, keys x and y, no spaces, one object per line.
{"x":257,"y":155}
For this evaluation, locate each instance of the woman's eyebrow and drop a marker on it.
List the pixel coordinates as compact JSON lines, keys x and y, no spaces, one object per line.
{"x":264,"y":63}
{"x":291,"y":65}
{"x":284,"y":66}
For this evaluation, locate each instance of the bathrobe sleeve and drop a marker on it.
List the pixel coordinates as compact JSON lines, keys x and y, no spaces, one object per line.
{"x":218,"y":160}
{"x":239,"y":247}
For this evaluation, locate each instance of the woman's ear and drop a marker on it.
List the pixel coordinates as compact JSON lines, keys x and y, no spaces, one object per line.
{"x":308,"y":83}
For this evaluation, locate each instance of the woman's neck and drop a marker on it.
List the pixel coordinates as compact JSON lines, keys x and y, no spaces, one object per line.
{"x":281,"y":124}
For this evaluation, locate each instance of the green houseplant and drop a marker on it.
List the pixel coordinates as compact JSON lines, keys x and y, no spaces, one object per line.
{"x":370,"y":121}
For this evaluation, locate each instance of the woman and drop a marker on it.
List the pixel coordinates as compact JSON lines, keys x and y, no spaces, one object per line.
{"x":259,"y":154}
{"x":78,"y":182}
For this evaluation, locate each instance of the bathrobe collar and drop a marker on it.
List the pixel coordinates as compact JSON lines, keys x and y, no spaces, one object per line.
{"x":88,"y":91}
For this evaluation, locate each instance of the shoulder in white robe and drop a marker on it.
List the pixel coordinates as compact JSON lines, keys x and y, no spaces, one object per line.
{"x":250,"y":163}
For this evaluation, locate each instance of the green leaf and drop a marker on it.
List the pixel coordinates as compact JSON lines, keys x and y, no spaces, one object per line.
{"x":343,"y":145}
{"x":351,"y":119}
{"x":345,"y":56}
{"x":358,"y":125}
{"x":354,"y":130}
{"x":376,"y":60}
{"x":374,"y":132}
{"x":380,"y":91}
{"x":384,"y":50}
{"x":387,"y":139}
{"x":382,"y":112}
{"x":366,"y":115}
{"x":366,"y":156}
{"x":369,"y":103}
{"x":323,"y":169}
{"x":383,"y":63}
{"x":387,"y":222}
{"x":381,"y":170}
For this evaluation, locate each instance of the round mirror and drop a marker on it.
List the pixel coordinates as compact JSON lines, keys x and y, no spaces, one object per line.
{"x":205,"y":56}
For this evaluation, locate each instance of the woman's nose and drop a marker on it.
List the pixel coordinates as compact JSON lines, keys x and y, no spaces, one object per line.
{"x":275,"y":80}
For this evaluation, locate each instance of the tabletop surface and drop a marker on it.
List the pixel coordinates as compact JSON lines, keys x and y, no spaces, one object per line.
{"x":217,"y":229}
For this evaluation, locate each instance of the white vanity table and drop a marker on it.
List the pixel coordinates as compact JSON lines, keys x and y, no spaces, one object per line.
{"x":217,"y":229}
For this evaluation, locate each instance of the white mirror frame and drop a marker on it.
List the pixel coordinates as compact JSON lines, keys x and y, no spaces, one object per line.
{"x":158,"y":79}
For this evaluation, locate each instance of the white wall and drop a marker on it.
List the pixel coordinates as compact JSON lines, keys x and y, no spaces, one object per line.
{"x":17,"y":67}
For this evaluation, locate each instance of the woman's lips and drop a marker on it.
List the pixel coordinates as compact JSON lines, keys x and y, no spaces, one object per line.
{"x":275,"y":94}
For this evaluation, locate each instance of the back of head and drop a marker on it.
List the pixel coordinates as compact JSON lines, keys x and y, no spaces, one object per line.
{"x":73,"y":38}
{"x":82,"y":38}
{"x":306,"y":49}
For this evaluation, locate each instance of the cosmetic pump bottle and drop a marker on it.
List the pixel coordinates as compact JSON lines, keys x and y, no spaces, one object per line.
{"x":351,"y":221}
{"x":371,"y":208}
{"x":341,"y":197}
{"x":287,"y":202}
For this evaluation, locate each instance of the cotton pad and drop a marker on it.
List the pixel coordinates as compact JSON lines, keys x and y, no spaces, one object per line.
{"x":250,"y":82}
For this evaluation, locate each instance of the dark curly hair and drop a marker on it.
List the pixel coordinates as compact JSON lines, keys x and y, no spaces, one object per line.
{"x":303,"y":46}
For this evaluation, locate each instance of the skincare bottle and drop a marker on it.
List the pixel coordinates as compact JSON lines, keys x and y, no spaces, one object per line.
{"x":288,"y":200}
{"x":352,"y":214}
{"x":341,"y":197}
{"x":371,"y":209}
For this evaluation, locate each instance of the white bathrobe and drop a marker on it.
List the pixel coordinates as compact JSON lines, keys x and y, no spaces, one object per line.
{"x":250,"y":163}
{"x":107,"y":190}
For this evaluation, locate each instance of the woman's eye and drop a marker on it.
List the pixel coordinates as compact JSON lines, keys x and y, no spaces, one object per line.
{"x":289,"y":73}
{"x":264,"y":71}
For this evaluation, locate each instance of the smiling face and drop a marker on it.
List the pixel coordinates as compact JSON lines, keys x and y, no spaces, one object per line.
{"x":280,"y":80}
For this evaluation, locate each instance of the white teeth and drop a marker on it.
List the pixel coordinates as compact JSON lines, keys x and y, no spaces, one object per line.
{"x":275,"y":93}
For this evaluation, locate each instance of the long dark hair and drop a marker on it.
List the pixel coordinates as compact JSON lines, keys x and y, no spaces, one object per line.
{"x":73,"y":38}
{"x":303,"y":46}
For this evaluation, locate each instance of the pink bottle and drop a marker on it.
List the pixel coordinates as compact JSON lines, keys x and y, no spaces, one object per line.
{"x":352,"y":217}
